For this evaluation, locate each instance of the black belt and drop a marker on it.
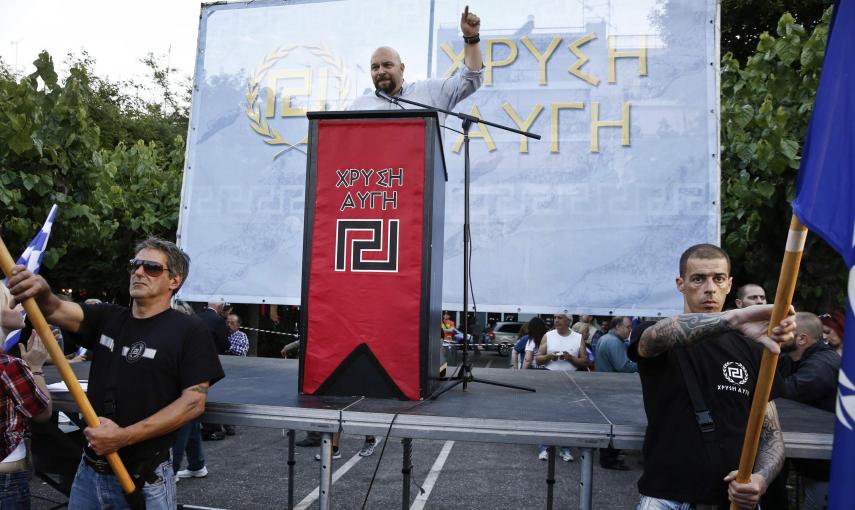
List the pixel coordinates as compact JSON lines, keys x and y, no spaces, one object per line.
{"x":102,"y":467}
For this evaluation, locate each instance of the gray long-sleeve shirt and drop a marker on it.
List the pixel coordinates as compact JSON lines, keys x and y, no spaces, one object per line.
{"x":440,"y":93}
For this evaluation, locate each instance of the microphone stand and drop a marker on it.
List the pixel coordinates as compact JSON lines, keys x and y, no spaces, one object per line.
{"x":463,"y":375}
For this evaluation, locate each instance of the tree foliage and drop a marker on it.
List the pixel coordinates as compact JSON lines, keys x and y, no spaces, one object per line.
{"x":743,"y":21}
{"x":765,"y":110}
{"x":112,"y":162}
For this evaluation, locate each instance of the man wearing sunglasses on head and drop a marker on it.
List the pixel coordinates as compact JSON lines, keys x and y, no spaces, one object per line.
{"x":151,"y":369}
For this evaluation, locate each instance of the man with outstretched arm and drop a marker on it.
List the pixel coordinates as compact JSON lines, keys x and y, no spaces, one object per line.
{"x":698,"y":373}
{"x":387,"y":74}
{"x":150,"y":373}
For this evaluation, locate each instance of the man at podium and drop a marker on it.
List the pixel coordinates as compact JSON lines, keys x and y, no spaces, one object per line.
{"x":387,"y":73}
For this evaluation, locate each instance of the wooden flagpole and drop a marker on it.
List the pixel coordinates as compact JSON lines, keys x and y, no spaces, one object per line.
{"x":783,"y":300}
{"x":56,"y":354}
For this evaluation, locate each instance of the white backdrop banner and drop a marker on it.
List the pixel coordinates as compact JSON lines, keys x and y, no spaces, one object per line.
{"x":590,"y":219}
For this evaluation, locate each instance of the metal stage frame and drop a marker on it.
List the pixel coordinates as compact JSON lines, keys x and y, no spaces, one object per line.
{"x":587,"y":410}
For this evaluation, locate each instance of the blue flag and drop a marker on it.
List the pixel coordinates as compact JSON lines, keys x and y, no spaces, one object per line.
{"x":825,"y":203}
{"x":32,"y":258}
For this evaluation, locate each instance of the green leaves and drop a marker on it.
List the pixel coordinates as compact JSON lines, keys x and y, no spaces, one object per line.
{"x":790,"y":149}
{"x":765,"y":109}
{"x":112,"y":189}
{"x":44,"y":70}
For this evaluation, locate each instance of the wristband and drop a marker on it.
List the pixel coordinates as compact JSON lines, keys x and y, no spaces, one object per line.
{"x":475,"y":39}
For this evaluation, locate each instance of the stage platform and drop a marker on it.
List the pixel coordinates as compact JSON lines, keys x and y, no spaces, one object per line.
{"x":585,"y":409}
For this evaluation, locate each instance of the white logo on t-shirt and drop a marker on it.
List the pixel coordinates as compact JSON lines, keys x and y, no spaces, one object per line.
{"x":138,"y":350}
{"x":735,"y":372}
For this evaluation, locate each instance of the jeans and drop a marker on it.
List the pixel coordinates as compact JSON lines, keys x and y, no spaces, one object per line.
{"x":93,"y":491}
{"x":189,"y":439}
{"x":648,"y":503}
{"x":15,"y":491}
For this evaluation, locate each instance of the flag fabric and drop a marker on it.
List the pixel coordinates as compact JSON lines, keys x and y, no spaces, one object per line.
{"x":825,"y":203}
{"x":32,"y":259}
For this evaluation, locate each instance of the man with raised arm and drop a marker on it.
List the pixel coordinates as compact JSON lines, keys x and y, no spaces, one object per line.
{"x":387,"y":73}
{"x":151,"y":369}
{"x":693,"y":442}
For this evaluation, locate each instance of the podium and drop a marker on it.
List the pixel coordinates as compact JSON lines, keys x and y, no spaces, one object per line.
{"x":372,"y":255}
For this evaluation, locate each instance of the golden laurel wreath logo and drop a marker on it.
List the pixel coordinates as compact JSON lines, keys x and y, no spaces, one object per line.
{"x":257,"y":120}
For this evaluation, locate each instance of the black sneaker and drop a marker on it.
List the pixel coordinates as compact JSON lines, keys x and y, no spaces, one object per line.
{"x":308,"y":442}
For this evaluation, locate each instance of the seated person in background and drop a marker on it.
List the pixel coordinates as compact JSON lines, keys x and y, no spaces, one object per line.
{"x":809,"y":368}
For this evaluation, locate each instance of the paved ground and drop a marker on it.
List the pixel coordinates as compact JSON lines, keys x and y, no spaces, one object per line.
{"x":249,"y":471}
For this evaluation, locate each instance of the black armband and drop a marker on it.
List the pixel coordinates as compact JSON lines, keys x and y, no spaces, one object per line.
{"x":475,"y":39}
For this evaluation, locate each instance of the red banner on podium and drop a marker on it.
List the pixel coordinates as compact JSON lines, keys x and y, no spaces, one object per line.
{"x":367,"y":250}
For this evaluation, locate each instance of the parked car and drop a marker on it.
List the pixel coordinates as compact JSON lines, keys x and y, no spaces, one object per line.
{"x":502,"y":337}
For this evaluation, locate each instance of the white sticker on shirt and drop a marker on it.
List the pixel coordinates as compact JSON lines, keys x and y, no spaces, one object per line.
{"x":107,"y":342}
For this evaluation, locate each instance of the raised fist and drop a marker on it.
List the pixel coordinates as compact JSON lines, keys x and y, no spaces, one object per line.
{"x":470,"y":24}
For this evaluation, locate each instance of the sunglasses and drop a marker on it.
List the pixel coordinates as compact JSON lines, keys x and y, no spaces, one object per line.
{"x":151,"y":268}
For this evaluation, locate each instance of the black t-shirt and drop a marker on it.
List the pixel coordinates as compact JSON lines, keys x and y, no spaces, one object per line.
{"x":158,"y":358}
{"x":676,"y":462}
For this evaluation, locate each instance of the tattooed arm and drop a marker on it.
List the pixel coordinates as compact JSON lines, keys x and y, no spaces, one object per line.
{"x":770,"y":460}
{"x":109,"y":436}
{"x":770,"y":457}
{"x":689,"y":328}
{"x":683,"y":329}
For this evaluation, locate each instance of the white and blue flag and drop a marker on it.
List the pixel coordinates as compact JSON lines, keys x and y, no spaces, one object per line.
{"x":825,"y":203}
{"x":32,"y":258}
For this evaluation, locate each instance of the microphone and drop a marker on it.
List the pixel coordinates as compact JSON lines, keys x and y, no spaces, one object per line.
{"x":382,"y":95}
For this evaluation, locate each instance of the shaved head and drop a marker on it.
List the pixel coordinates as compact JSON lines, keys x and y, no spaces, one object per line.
{"x":387,"y":70}
{"x":750,"y":294}
{"x":808,"y":332}
{"x":386,"y":52}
